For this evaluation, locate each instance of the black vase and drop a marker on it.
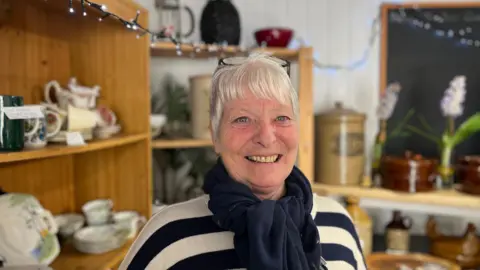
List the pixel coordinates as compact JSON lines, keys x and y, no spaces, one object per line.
{"x":220,"y":23}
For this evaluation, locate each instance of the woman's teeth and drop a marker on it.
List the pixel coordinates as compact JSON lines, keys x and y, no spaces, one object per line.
{"x":263,"y":159}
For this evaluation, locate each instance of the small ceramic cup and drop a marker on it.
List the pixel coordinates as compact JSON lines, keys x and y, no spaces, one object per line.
{"x":69,"y":223}
{"x":38,"y":130}
{"x":98,"y":212}
{"x":129,"y":220}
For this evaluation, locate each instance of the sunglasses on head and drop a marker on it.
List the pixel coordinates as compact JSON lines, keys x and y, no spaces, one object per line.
{"x":238,"y":60}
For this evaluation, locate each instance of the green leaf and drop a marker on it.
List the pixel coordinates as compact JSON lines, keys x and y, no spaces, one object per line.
{"x":468,"y":128}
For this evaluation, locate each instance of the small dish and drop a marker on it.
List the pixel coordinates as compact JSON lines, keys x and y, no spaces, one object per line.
{"x":106,"y":132}
{"x":69,"y":223}
{"x":99,"y":239}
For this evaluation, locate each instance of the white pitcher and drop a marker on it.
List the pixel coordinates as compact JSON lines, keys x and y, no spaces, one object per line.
{"x":80,"y":99}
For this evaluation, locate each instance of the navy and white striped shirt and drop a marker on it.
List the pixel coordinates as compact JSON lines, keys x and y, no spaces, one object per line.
{"x":184,"y":237}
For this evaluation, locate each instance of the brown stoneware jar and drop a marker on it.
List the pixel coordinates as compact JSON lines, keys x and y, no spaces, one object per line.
{"x":468,"y":174}
{"x":410,"y":173}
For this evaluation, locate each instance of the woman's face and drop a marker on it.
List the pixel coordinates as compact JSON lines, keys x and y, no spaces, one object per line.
{"x":258,"y":143}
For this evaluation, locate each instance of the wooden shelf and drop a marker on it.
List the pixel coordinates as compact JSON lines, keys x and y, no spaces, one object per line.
{"x":72,"y":259}
{"x":54,"y":150}
{"x":180,"y":143}
{"x":451,"y":198}
{"x":168,"y":49}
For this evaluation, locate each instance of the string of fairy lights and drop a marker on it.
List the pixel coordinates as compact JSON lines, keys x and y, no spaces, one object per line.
{"x":427,"y":21}
{"x":437,"y":25}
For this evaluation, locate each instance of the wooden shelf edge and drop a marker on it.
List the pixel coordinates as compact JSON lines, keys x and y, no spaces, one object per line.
{"x":70,"y":258}
{"x":451,"y":198}
{"x":180,"y":143}
{"x":168,"y":49}
{"x":54,"y":150}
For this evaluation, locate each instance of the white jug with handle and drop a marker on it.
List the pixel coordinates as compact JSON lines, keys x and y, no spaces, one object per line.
{"x":91,"y":92}
{"x":79,"y":99}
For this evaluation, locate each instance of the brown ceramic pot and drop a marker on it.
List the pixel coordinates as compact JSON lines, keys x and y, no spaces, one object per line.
{"x":468,"y":174}
{"x":410,"y":173}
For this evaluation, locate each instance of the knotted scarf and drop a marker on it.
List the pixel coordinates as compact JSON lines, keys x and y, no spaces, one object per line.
{"x":269,"y":234}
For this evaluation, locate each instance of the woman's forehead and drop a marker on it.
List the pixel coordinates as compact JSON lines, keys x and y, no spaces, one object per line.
{"x":253,"y":103}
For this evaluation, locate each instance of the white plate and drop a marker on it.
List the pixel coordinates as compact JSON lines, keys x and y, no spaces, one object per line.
{"x":99,"y":239}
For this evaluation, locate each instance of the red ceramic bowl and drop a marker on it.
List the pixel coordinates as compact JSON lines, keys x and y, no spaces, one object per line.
{"x":274,"y":37}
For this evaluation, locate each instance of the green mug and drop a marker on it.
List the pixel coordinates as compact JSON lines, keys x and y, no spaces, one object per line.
{"x":11,"y":131}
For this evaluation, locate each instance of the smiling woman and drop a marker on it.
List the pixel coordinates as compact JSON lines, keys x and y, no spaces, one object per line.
{"x":259,"y":211}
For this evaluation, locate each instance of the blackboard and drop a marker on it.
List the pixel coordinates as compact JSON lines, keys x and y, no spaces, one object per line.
{"x":424,"y":60}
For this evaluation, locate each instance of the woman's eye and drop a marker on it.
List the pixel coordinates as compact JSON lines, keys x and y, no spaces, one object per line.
{"x":282,"y":118}
{"x":242,"y":120}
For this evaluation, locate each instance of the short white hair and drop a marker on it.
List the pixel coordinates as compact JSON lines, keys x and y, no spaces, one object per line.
{"x":258,"y":73}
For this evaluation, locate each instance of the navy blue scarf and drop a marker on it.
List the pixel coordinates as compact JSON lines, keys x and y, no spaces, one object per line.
{"x":269,"y":234}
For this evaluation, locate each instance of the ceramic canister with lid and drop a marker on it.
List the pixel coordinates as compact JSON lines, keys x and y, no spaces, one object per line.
{"x":340,"y":143}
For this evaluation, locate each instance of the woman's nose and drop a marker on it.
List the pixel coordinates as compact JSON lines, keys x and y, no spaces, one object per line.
{"x":265,"y":135}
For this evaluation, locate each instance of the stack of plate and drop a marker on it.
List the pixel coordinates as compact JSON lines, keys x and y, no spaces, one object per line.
{"x":99,"y":239}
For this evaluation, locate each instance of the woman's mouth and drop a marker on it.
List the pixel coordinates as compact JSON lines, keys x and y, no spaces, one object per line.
{"x":264,"y":159}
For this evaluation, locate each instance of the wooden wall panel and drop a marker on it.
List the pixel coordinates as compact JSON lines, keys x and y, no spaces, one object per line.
{"x":120,"y":174}
{"x":109,"y":55}
{"x":33,"y":50}
{"x":40,"y":41}
{"x":50,"y":180}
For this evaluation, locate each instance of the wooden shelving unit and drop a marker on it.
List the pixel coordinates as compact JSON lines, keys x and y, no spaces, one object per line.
{"x":303,"y":57}
{"x":70,"y":256}
{"x":41,"y":41}
{"x":168,"y":49}
{"x":451,"y":198}
{"x":180,"y":143}
{"x":55,"y":150}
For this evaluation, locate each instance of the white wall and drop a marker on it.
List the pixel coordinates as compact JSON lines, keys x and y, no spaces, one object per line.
{"x":338,"y":31}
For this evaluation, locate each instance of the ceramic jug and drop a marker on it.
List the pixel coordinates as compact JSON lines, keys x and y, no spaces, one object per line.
{"x":78,"y":96}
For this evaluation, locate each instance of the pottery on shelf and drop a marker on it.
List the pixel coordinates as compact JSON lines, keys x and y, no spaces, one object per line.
{"x":220,"y":23}
{"x":464,"y":250}
{"x":468,"y":174}
{"x":409,"y":173}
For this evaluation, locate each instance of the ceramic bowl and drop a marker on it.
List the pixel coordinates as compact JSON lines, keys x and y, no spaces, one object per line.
{"x":157,"y":121}
{"x":274,"y":37}
{"x":68,"y":224}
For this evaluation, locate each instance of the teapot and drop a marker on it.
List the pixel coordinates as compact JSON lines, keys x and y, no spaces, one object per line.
{"x":79,"y":96}
{"x":28,"y":231}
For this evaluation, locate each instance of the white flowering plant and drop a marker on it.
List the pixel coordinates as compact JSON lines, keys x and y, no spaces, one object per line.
{"x":452,"y":106}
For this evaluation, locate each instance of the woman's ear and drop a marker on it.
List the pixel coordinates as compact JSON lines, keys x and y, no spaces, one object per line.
{"x":215,"y":141}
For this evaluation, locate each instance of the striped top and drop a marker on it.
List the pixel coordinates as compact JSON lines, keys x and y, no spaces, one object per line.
{"x":184,"y":237}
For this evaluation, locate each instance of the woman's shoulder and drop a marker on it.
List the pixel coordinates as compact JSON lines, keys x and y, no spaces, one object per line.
{"x":164,"y":232}
{"x":328,"y":212}
{"x":187,"y":211}
{"x":337,"y":233}
{"x":322,"y":204}
{"x":195,"y":207}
